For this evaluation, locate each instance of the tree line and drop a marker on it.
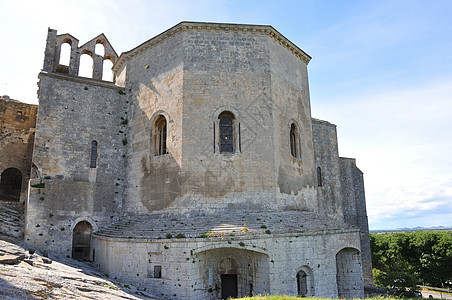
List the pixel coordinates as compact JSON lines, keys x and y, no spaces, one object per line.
{"x":405,"y":260}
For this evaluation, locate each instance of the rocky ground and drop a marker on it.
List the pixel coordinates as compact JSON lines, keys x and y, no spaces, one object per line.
{"x":28,"y":275}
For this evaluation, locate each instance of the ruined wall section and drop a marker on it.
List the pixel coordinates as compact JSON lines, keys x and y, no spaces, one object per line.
{"x":354,"y":209}
{"x":328,"y":176}
{"x":291,"y":105}
{"x":153,"y":84}
{"x":73,"y":112}
{"x":52,"y":54}
{"x":17,"y":130}
{"x":227,"y":69}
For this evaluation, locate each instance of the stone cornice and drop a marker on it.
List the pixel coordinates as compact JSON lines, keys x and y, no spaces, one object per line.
{"x":184,"y":26}
{"x":83,"y":80}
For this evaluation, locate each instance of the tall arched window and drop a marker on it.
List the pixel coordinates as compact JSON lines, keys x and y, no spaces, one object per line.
{"x":93,"y":161}
{"x":226,"y":132}
{"x":160,"y":136}
{"x":293,"y":140}
{"x":107,"y":72}
{"x":65,"y":53}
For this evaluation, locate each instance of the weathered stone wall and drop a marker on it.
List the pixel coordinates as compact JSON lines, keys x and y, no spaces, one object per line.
{"x":290,"y":104}
{"x":354,"y":207}
{"x":73,"y":112}
{"x":341,"y":194}
{"x":327,"y":159}
{"x":272,"y":263}
{"x":227,"y":71}
{"x":17,"y":130}
{"x":154,"y":87}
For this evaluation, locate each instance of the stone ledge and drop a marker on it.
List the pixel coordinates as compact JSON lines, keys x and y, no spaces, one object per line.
{"x":84,"y":80}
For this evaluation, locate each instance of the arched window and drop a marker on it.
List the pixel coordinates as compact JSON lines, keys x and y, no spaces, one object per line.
{"x":93,"y":161}
{"x":160,"y":135}
{"x":99,"y":49}
{"x":226,"y":132}
{"x":293,"y":140}
{"x":319,"y":177}
{"x":11,"y":184}
{"x":86,"y":64}
{"x":65,"y":53}
{"x":107,"y":72}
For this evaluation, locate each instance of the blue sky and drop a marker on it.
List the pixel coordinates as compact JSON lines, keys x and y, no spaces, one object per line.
{"x":381,"y":71}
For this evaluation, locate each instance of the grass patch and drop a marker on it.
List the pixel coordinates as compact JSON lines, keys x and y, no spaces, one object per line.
{"x":39,"y":185}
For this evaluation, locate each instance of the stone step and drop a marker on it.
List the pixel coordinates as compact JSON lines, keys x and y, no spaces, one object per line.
{"x":220,"y":224}
{"x":11,"y":222}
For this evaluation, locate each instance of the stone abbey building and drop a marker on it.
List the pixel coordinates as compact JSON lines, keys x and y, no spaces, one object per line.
{"x":198,"y":172}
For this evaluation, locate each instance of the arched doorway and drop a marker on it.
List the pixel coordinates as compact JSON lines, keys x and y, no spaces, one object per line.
{"x":349,"y":276}
{"x":302,"y":283}
{"x":81,"y":241}
{"x":232,"y":272}
{"x":305,"y":282}
{"x":10,"y":184}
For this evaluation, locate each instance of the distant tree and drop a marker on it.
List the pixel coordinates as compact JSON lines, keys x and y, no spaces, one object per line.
{"x":433,"y":256}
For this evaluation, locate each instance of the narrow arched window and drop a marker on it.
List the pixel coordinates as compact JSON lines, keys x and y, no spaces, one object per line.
{"x":293,"y":140}
{"x":319,"y":177}
{"x":93,"y":161}
{"x":160,"y":139}
{"x":226,"y":132}
{"x":107,"y":73}
{"x":65,"y":53}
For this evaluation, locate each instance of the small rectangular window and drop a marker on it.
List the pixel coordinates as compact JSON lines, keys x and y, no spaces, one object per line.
{"x":157,"y":271}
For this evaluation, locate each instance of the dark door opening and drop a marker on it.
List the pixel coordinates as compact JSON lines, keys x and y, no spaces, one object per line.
{"x":302,"y":283}
{"x":81,"y":241}
{"x":228,"y":286}
{"x":10,"y":184}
